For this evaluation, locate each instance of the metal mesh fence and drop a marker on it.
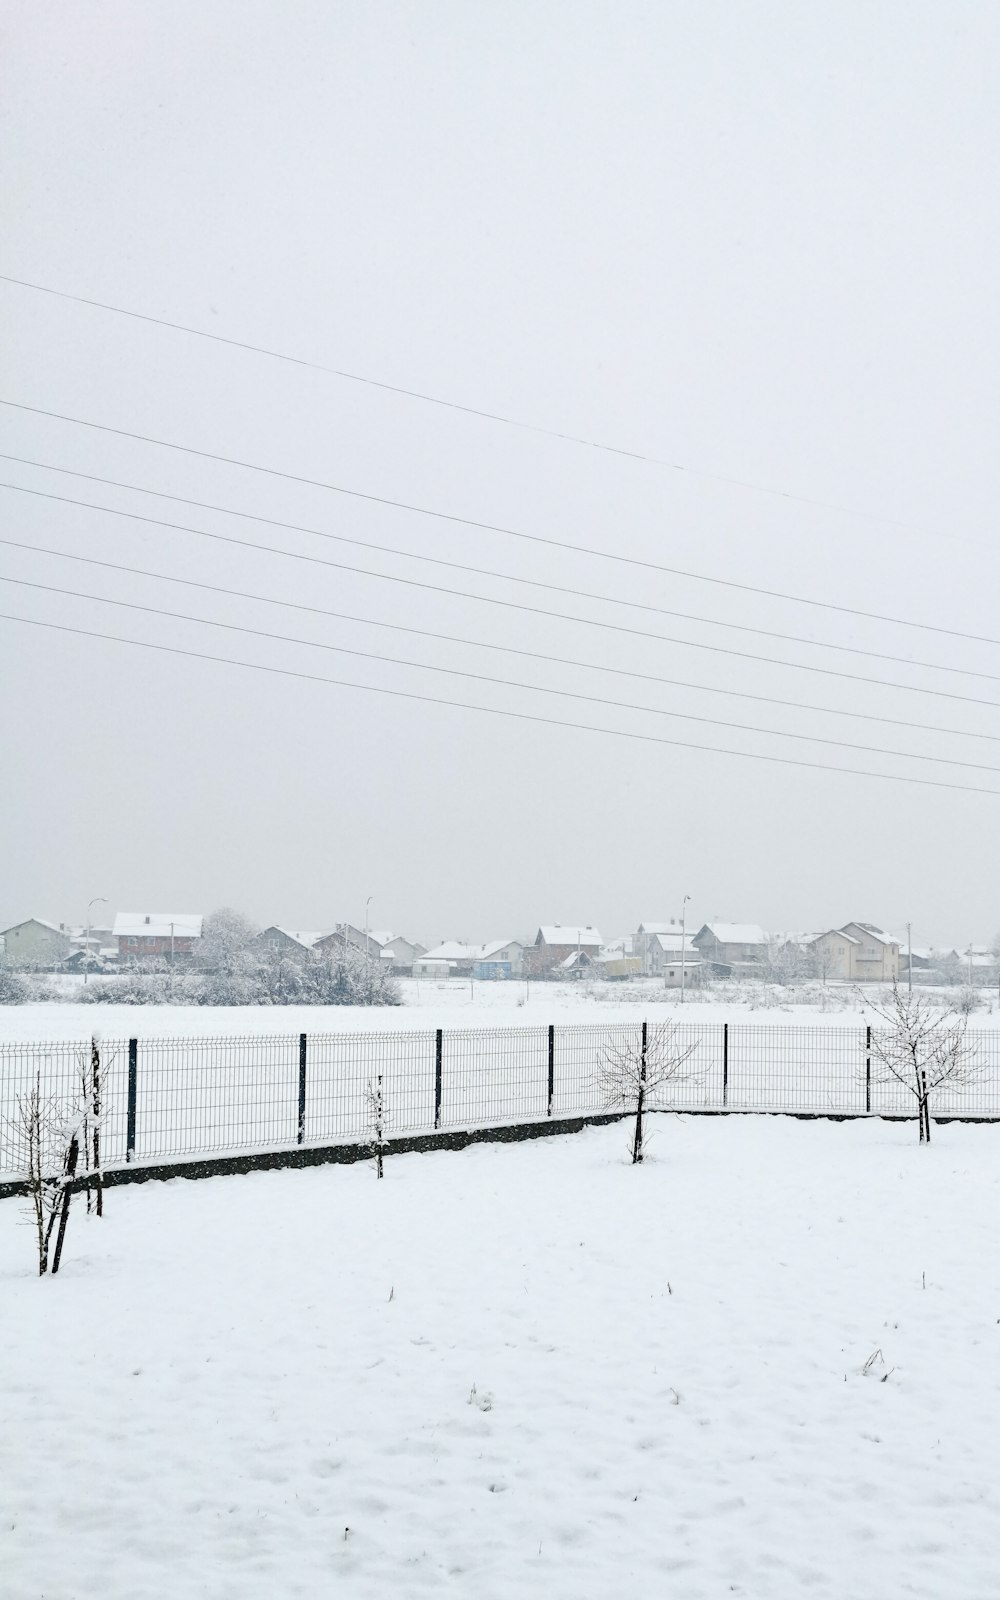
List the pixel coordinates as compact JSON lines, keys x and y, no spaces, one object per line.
{"x":188,"y":1097}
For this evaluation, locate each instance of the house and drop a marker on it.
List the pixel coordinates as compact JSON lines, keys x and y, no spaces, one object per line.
{"x":667,"y":953}
{"x":859,"y":952}
{"x":642,"y":939}
{"x":733,"y":949}
{"x":451,"y":959}
{"x":500,"y":958}
{"x":555,"y":943}
{"x":290,"y":942}
{"x":36,"y":943}
{"x":402,"y":953}
{"x":346,"y":937}
{"x":170,"y":934}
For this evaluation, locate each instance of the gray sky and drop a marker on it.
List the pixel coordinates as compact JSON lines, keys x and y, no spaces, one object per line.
{"x":758,"y":242}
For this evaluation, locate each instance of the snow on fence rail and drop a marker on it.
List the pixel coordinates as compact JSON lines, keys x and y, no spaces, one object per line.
{"x":189,"y":1097}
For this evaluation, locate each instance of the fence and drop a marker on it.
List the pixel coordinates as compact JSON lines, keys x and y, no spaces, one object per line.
{"x":184,"y":1098}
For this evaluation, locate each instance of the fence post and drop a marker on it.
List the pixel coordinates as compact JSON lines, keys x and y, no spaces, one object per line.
{"x":438,"y":1053}
{"x":133,"y":1081}
{"x":302,"y":1089}
{"x":552,"y":1068}
{"x":725,"y":1064}
{"x":868,"y":1068}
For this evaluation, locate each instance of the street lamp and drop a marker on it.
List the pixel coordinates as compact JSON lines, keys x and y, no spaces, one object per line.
{"x":683,"y":941}
{"x":98,"y":900}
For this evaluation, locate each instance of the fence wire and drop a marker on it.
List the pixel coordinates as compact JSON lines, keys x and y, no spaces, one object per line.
{"x":188,"y":1097}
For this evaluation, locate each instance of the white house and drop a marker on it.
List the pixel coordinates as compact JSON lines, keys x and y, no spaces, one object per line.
{"x":738,"y":946}
{"x":668,"y":953}
{"x":36,"y":943}
{"x":402,"y":953}
{"x":642,"y":939}
{"x":500,"y":958}
{"x":452,"y":959}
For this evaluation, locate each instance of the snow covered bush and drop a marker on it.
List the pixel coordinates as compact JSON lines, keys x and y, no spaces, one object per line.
{"x":13,"y":989}
{"x":131,"y":989}
{"x":345,"y":978}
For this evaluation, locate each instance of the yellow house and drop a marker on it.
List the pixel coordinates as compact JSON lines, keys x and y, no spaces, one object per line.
{"x":859,"y":952}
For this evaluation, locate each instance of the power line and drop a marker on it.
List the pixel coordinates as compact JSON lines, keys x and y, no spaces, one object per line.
{"x":486,"y":572}
{"x":496,"y":711}
{"x":494,"y":416}
{"x":489,"y":527}
{"x":482,"y":644}
{"x":505,"y":683}
{"x":510,"y":605}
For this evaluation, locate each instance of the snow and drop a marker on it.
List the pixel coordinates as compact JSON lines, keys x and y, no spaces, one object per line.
{"x":519,"y":1372}
{"x":441,"y":1002}
{"x":674,"y":943}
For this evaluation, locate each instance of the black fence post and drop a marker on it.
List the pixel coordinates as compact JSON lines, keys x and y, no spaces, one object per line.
{"x":868,"y":1068}
{"x":133,"y":1083}
{"x":302,"y":1089}
{"x":438,"y":1054}
{"x":552,"y":1068}
{"x":725,"y":1064}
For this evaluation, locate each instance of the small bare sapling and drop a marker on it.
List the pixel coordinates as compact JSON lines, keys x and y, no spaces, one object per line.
{"x":43,"y":1139}
{"x":377,"y":1118}
{"x":632,"y":1075}
{"x":922,"y":1049}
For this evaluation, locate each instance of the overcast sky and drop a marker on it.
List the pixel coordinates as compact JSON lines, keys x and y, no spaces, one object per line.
{"x":758,"y":243}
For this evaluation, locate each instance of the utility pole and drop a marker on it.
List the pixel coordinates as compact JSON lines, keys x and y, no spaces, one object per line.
{"x":97,"y":901}
{"x":909,"y":959}
{"x":684,"y":904}
{"x":367,"y":904}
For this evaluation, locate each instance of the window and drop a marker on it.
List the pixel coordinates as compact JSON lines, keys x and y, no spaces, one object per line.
{"x":133,"y":943}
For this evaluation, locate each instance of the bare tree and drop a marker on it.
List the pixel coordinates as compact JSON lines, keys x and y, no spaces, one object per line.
{"x":44,"y":1140}
{"x":921,"y":1048}
{"x":632,"y":1074}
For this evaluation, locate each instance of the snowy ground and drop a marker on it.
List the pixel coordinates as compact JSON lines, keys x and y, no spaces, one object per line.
{"x":460,"y":1003}
{"x":520,"y":1371}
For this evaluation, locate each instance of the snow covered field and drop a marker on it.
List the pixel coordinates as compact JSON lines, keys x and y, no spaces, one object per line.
{"x":458,"y":1003}
{"x":520,"y":1371}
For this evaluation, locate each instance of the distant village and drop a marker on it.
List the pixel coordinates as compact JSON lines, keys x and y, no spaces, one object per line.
{"x":857,"y":952}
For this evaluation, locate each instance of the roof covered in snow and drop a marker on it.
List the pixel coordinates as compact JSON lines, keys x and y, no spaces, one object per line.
{"x":672,"y":943}
{"x":306,"y":940}
{"x":39,"y":922}
{"x":872,"y":931}
{"x":452,"y":950}
{"x":586,"y":938}
{"x":736,"y":932}
{"x":492,"y":947}
{"x":158,"y":924}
